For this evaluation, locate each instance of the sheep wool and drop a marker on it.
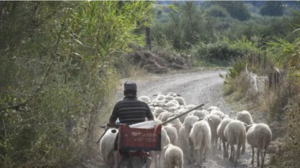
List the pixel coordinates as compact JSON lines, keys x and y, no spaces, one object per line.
{"x":173,"y":156}
{"x":235,"y":133}
{"x":259,"y":136}
{"x":200,"y":136}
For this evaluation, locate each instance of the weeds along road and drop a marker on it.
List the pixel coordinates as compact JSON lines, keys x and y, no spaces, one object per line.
{"x":196,"y":88}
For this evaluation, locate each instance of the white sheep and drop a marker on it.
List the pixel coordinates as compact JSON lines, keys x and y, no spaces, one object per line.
{"x":159,"y":103}
{"x":145,"y":99}
{"x":183,"y":145}
{"x":259,"y":136}
{"x":151,"y":108}
{"x":216,"y":120}
{"x":190,"y":106}
{"x":201,"y":136}
{"x":245,"y":117}
{"x":200,"y":113}
{"x":188,"y":125}
{"x":165,"y":140}
{"x":158,"y":110}
{"x":172,"y":94}
{"x":218,"y":113}
{"x":235,"y":134}
{"x":106,"y":145}
{"x":173,"y":156}
{"x":171,"y":105}
{"x":167,"y":97}
{"x":164,"y":116}
{"x":175,"y":123}
{"x":220,"y":132}
{"x":211,"y":108}
{"x":180,"y":111}
{"x":160,"y":97}
{"x":172,"y":133}
{"x":180,"y":100}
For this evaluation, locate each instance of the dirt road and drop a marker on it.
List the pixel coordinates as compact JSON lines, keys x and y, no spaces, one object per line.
{"x":197,"y":88}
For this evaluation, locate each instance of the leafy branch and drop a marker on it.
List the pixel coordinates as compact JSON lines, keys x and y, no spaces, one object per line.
{"x":17,"y":106}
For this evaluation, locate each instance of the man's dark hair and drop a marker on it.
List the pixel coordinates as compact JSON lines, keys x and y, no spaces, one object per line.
{"x":130,"y":88}
{"x":130,"y":92}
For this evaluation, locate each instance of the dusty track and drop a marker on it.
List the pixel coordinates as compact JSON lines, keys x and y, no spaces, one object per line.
{"x":197,"y":88}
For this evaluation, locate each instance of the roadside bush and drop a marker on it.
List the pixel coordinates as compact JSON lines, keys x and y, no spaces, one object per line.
{"x":58,"y":77}
{"x":264,"y":27}
{"x":251,"y":8}
{"x":223,"y":51}
{"x":270,"y":8}
{"x":275,"y":101}
{"x":236,"y":9}
{"x":185,"y":28}
{"x":231,"y":83}
{"x":288,"y":151}
{"x":217,"y":11}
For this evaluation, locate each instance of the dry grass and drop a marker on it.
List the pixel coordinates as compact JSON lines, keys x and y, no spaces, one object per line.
{"x":240,"y":87}
{"x":288,"y":152}
{"x":158,"y":62}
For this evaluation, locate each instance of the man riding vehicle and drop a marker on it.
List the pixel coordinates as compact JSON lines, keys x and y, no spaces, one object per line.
{"x":130,"y":110}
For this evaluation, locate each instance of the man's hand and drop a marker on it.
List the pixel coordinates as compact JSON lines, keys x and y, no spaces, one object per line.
{"x":109,"y":125}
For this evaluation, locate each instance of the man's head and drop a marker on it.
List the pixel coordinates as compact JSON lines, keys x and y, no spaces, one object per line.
{"x":130,"y":88}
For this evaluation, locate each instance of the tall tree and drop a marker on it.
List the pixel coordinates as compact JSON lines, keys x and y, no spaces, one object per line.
{"x":271,"y":8}
{"x":236,"y":9}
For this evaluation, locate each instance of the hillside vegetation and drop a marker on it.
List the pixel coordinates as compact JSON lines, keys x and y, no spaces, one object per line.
{"x":59,"y":67}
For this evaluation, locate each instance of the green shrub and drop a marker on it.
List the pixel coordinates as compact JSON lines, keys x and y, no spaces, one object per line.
{"x":58,"y":78}
{"x":236,"y":9}
{"x":223,"y":51}
{"x":217,"y":11}
{"x":271,"y":8}
{"x":263,"y":27}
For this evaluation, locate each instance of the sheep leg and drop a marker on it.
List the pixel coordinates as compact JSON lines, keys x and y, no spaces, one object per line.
{"x":216,"y":145}
{"x":158,"y":164}
{"x":192,"y":157}
{"x":252,"y":161}
{"x":200,"y":156}
{"x":244,"y":147}
{"x":219,"y":142}
{"x":238,"y":152}
{"x":197,"y":157}
{"x":227,"y":149}
{"x":263,"y":153}
{"x":231,"y":152}
{"x":225,"y":154}
{"x":258,"y":151}
{"x":205,"y":153}
{"x":213,"y":145}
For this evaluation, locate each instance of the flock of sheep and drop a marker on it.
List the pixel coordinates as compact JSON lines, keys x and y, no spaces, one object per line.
{"x":187,"y":139}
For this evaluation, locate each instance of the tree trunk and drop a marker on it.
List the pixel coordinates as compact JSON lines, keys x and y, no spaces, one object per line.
{"x":148,"y":38}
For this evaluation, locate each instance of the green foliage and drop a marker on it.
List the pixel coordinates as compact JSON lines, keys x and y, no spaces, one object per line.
{"x":233,"y":73}
{"x":224,"y":51}
{"x":251,"y":8}
{"x":236,"y":9}
{"x":184,"y":28}
{"x":217,"y":11}
{"x":288,"y":55}
{"x":58,"y":76}
{"x":271,"y":8}
{"x":264,"y":28}
{"x":288,"y":154}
